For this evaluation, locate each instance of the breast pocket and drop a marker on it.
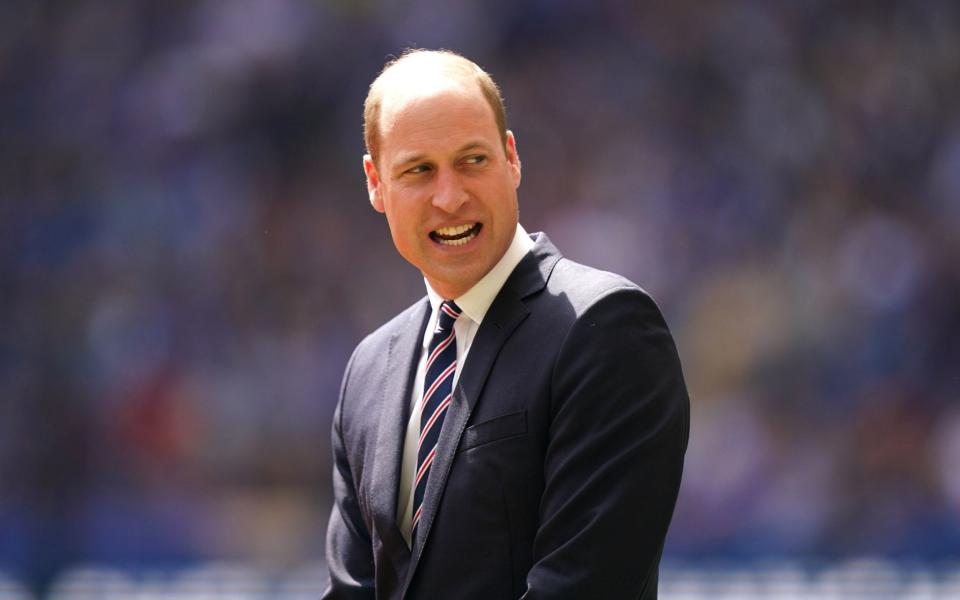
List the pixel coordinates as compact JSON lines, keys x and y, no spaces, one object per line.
{"x":495,"y":429}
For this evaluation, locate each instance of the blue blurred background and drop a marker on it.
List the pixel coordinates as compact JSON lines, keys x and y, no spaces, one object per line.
{"x":187,"y":258}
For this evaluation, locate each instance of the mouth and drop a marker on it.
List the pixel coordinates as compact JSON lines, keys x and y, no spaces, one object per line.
{"x":455,"y":236}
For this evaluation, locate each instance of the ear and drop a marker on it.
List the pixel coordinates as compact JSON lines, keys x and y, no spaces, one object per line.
{"x":513,"y":159}
{"x":373,"y":183}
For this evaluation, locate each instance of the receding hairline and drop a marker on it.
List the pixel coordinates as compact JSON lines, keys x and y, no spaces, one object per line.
{"x":438,"y":67}
{"x":433,"y":62}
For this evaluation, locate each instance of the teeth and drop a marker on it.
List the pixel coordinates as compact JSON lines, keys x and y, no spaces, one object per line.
{"x":455,"y":236}
{"x":449,"y":231}
{"x":458,"y":242}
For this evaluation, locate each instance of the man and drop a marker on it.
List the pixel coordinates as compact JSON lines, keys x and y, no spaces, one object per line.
{"x":519,"y":432}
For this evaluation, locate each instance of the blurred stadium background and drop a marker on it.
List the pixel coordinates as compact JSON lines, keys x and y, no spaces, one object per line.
{"x":187,"y":258}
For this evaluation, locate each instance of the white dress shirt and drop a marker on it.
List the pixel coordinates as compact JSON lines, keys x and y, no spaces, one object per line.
{"x":474,"y":304}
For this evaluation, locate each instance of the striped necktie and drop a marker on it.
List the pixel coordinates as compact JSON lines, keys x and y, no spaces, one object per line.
{"x":437,"y":393}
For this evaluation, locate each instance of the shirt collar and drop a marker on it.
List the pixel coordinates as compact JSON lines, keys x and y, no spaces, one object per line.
{"x":477,"y":300}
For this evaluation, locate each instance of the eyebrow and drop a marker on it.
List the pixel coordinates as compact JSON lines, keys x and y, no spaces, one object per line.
{"x":418,"y":156}
{"x":471,"y":146}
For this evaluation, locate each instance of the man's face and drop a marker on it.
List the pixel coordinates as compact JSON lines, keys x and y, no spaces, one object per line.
{"x":446,"y":182}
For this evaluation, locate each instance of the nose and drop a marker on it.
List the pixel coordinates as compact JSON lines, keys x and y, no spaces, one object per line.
{"x":449,"y":194}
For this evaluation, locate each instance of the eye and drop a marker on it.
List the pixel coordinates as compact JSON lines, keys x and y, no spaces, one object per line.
{"x":476,"y":159}
{"x":416,"y":170}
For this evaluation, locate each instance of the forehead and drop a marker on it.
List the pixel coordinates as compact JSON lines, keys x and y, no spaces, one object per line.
{"x":431,"y":106}
{"x":423,"y":75}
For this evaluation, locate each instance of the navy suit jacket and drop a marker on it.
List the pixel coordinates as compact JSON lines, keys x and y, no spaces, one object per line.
{"x":559,"y":460}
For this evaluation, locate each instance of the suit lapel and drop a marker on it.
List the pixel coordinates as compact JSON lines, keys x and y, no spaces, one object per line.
{"x":505,"y":315}
{"x":401,"y":365}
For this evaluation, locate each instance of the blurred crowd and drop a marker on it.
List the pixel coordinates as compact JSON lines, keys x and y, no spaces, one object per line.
{"x":187,"y":257}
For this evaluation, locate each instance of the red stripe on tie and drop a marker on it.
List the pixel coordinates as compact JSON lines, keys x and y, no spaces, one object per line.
{"x":425,"y":466}
{"x":436,"y":384}
{"x":440,"y":348}
{"x":433,"y":419}
{"x":446,"y":308}
{"x":416,"y":517}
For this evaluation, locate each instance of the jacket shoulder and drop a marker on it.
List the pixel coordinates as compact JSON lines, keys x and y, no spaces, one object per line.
{"x":379,"y":338}
{"x":583,"y":286}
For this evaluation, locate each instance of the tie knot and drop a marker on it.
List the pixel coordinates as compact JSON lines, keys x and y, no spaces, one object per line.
{"x":449,"y":312}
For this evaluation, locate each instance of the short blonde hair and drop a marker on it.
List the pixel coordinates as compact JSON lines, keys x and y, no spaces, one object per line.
{"x":374,"y":100}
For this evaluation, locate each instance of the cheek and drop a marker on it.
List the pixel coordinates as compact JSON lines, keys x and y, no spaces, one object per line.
{"x":404,"y":223}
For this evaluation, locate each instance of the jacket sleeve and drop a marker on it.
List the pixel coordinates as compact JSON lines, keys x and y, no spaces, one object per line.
{"x":349,"y":552}
{"x":620,"y":423}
